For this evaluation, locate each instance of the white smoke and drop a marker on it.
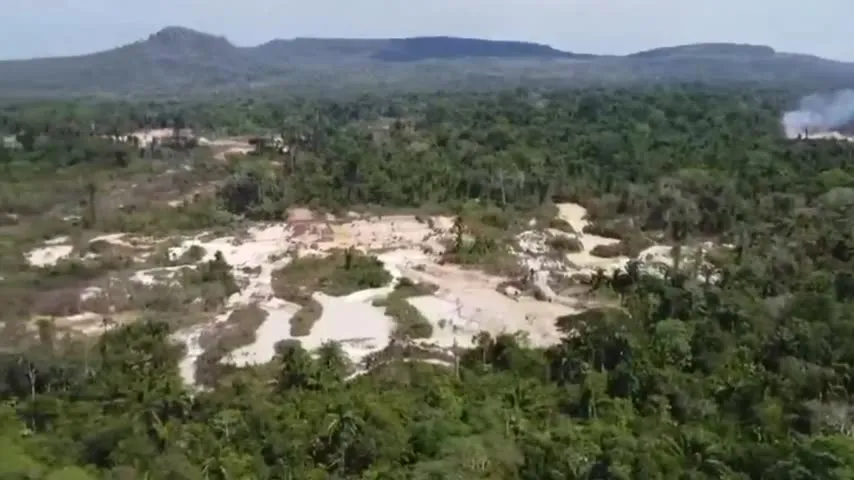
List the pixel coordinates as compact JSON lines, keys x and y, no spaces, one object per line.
{"x":820,"y":114}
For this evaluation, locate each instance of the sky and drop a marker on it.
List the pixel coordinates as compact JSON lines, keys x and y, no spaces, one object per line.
{"x":67,"y":27}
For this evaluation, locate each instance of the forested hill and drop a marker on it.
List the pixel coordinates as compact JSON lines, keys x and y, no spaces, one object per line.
{"x":424,"y":48}
{"x":181,"y":60}
{"x":709,"y":49}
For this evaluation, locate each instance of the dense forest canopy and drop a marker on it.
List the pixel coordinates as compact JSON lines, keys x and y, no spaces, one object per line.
{"x":748,"y":376}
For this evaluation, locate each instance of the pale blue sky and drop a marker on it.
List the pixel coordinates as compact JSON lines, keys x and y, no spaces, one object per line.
{"x":61,"y":27}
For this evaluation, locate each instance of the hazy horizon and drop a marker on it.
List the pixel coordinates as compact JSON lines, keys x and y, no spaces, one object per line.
{"x":73,"y":27}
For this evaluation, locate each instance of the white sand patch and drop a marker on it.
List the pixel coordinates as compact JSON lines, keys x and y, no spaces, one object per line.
{"x":190,"y":338}
{"x":660,"y":255}
{"x":297,"y":214}
{"x":50,"y":254}
{"x":379,"y":233}
{"x":91,"y":293}
{"x":468,"y":302}
{"x":234,"y":150}
{"x":91,"y":323}
{"x":141,"y":247}
{"x":58,"y":240}
{"x":276,"y":327}
{"x":253,"y":262}
{"x":534,"y":253}
{"x":659,"y":258}
{"x":87,"y":323}
{"x":458,"y":316}
{"x":576,"y":216}
{"x":353,"y":322}
{"x":656,"y":259}
{"x":146,"y":137}
{"x":113,"y":238}
{"x":228,"y":146}
{"x":159,"y":275}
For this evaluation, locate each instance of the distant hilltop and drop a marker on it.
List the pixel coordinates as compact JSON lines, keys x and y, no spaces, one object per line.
{"x":709,"y":49}
{"x":178,"y":60}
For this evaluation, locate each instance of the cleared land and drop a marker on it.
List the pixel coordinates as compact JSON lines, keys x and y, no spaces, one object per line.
{"x":316,"y":281}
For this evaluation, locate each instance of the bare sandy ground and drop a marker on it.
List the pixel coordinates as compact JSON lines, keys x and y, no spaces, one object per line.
{"x":259,"y":254}
{"x":276,"y":327}
{"x":575,"y":215}
{"x":48,"y":255}
{"x":222,"y":146}
{"x":352,"y":321}
{"x":145,"y":136}
{"x":467,"y":302}
{"x":229,"y":146}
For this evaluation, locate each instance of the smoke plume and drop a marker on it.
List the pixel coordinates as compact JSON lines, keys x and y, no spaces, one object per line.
{"x":820,"y":113}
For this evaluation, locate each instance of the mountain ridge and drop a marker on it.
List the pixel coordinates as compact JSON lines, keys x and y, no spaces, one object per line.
{"x":178,"y":59}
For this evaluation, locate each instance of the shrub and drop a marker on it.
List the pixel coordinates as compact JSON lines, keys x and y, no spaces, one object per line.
{"x":565,"y":244}
{"x":630,"y":247}
{"x":406,"y":288}
{"x":409,"y":321}
{"x":610,"y":250}
{"x":193,"y":254}
{"x":305,"y":318}
{"x":616,"y":229}
{"x":561,"y":224}
{"x":217,"y":271}
{"x":634,"y":244}
{"x":237,"y":331}
{"x":341,"y":273}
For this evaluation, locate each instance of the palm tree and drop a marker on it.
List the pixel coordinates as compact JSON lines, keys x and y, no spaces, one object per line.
{"x":458,"y":229}
{"x":91,"y":204}
{"x":333,"y":363}
{"x":484,"y":343}
{"x":698,"y":454}
{"x":342,"y":430}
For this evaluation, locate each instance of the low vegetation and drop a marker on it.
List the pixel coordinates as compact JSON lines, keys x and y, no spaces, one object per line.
{"x":616,"y":229}
{"x":214,"y":272}
{"x":565,"y":244}
{"x":305,"y":318}
{"x":630,"y":246}
{"x":409,"y":322}
{"x":237,"y":331}
{"x":342,"y":272}
{"x":561,"y":224}
{"x":482,"y":238}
